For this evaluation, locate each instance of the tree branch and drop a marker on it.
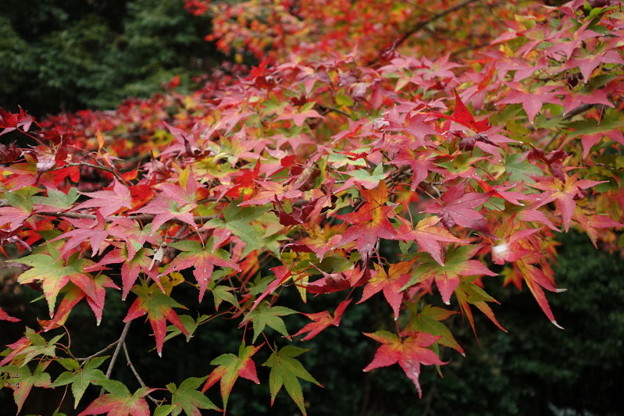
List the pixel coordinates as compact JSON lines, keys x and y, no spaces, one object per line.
{"x":432,"y":19}
{"x":119,"y":342}
{"x":138,"y":217}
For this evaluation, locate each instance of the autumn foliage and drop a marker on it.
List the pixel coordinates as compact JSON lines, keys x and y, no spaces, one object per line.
{"x":462,"y":135}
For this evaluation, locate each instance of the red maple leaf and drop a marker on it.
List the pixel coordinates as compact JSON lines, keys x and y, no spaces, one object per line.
{"x":409,"y":353}
{"x":458,"y":207}
{"x":119,"y":402}
{"x":202,"y":259}
{"x":174,"y":202}
{"x":462,"y":115}
{"x":587,"y":64}
{"x":532,"y":101}
{"x":428,"y":236}
{"x":563,"y":193}
{"x":93,"y":231}
{"x":370,"y":222}
{"x":390,"y":282}
{"x":322,"y":320}
{"x":6,"y":317}
{"x":108,"y":202}
{"x":299,"y":117}
{"x":158,"y":307}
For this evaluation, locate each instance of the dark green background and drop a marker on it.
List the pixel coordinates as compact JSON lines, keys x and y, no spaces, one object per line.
{"x":66,"y":55}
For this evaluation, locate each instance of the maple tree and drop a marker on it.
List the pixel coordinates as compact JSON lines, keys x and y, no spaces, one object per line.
{"x":465,"y":146}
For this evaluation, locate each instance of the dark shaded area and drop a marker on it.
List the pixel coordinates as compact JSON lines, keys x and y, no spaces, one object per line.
{"x":534,"y":369}
{"x":66,"y":55}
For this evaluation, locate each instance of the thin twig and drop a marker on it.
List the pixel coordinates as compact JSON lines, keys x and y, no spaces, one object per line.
{"x":119,"y":343}
{"x":137,"y":376}
{"x":134,"y":371}
{"x":100,"y":352}
{"x":578,"y":110}
{"x":100,"y":167}
{"x":574,"y":112}
{"x":138,"y":217}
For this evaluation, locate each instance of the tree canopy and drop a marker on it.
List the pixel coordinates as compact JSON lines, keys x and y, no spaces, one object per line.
{"x":416,"y":153}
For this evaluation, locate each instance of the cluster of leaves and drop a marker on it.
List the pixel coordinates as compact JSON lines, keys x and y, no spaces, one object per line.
{"x":297,"y":174}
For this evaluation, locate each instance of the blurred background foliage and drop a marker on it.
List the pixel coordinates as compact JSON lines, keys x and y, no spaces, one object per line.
{"x":66,"y":55}
{"x":534,"y":369}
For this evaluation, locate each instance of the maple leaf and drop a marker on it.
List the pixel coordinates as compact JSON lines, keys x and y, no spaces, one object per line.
{"x":131,"y":266}
{"x":285,"y":372}
{"x":230,"y":367}
{"x":447,"y":275}
{"x":265,"y":315}
{"x":300,"y":117}
{"x":462,"y":115}
{"x":6,"y":317}
{"x":409,"y":353}
{"x":52,"y":272}
{"x":92,"y":230}
{"x":428,"y":321}
{"x":202,"y":259}
{"x":108,"y":202}
{"x":592,"y":223}
{"x":14,"y":217}
{"x":56,"y":200}
{"x":119,"y":401}
{"x":536,"y":280}
{"x":468,"y":293}
{"x":532,"y":101}
{"x":322,"y":320}
{"x":330,"y":282}
{"x":390,"y":282}
{"x":185,"y":398}
{"x":239,"y":221}
{"x":564,"y":194}
{"x":135,"y":236}
{"x":173,"y":202}
{"x":80,"y":377}
{"x":81,"y":287}
{"x":370,"y":221}
{"x":158,"y":307}
{"x":22,"y":380}
{"x":458,"y":207}
{"x":587,"y":64}
{"x":29,"y":347}
{"x":428,"y":236}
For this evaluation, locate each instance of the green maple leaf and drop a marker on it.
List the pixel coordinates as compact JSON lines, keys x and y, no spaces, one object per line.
{"x":265,"y":315}
{"x":80,"y":378}
{"x":428,"y":321}
{"x":186,"y":398}
{"x":230,"y":367}
{"x":50,"y":270}
{"x":238,"y":220}
{"x":30,"y":346}
{"x":22,"y":380}
{"x":286,"y":372}
{"x":366,"y":179}
{"x":56,"y":200}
